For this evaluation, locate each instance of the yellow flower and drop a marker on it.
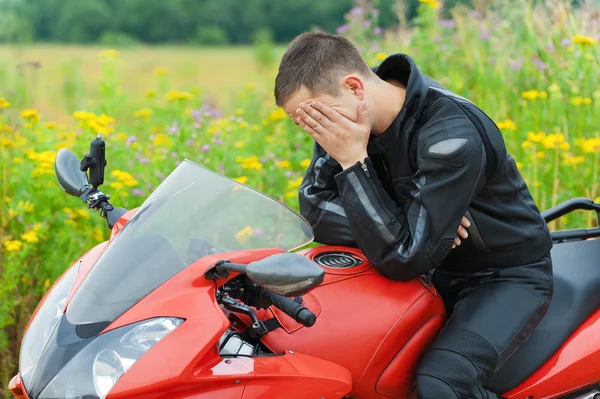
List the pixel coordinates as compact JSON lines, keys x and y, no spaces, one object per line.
{"x":13,"y":245}
{"x":83,"y":213}
{"x":5,"y":128}
{"x":535,"y":137}
{"x":162,"y":139}
{"x":530,"y":94}
{"x":239,"y":159}
{"x":160,"y":71}
{"x":243,"y":125}
{"x":305,"y":163}
{"x":239,"y":144}
{"x":580,"y":100}
{"x":586,"y":100}
{"x":143,"y":113}
{"x":554,"y":88}
{"x":124,"y":178}
{"x":174,"y":95}
{"x":590,"y":145}
{"x":268,"y":139}
{"x":30,"y":115}
{"x":507,"y":125}
{"x":245,"y":233}
{"x":241,"y":179}
{"x":291,"y":194}
{"x":597,"y":200}
{"x":108,"y":54}
{"x":26,"y":206}
{"x":30,"y":236}
{"x":84,"y":115}
{"x":239,"y":112}
{"x":117,"y":185}
{"x":150,"y":93}
{"x":252,"y":163}
{"x":51,"y":125}
{"x":277,"y":115}
{"x":526,"y":144}
{"x":295,"y":183}
{"x":6,"y":143}
{"x":540,"y":154}
{"x":4,"y":103}
{"x":572,"y":161}
{"x":519,"y":165}
{"x":17,"y":160}
{"x":552,"y":140}
{"x":543,"y":94}
{"x":380,"y":56}
{"x":98,"y":234}
{"x":583,"y":40}
{"x":284,"y":164}
{"x":565,"y":146}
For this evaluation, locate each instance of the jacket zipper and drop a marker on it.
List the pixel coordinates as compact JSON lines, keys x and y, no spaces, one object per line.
{"x":378,"y":199}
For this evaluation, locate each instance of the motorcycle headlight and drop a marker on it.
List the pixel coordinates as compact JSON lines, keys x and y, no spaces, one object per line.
{"x":93,"y":372}
{"x":44,"y":324}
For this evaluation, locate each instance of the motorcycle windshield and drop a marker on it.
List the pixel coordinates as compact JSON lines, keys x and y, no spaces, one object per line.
{"x":195,"y":212}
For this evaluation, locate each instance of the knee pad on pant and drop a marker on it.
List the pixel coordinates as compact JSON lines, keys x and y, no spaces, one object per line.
{"x":457,"y":365}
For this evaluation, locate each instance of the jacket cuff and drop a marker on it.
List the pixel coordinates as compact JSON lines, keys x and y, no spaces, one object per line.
{"x":367,"y":165}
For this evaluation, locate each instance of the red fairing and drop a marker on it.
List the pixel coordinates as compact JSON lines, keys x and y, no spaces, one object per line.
{"x":575,"y":365}
{"x":186,"y":364}
{"x":375,"y":327}
{"x":122,"y":221}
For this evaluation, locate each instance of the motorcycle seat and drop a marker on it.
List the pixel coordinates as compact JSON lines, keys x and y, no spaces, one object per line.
{"x":576,"y":296}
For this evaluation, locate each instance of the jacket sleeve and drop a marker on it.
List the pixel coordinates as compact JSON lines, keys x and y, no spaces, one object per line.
{"x":320,"y":203}
{"x":406,"y":242}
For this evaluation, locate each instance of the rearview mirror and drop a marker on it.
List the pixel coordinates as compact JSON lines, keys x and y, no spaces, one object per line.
{"x":68,"y":174}
{"x":286,"y":274}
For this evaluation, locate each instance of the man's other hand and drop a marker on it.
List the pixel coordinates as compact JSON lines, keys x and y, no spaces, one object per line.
{"x":462,"y":231}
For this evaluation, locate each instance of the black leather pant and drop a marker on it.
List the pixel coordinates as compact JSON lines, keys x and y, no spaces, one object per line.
{"x":491,"y":313}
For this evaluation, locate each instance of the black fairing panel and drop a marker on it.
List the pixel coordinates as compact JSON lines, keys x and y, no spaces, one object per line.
{"x":576,"y":296}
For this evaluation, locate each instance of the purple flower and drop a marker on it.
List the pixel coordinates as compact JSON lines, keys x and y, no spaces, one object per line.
{"x":378,"y":30}
{"x":447,"y":23}
{"x":550,"y":48}
{"x":541,"y":65}
{"x":565,"y":42}
{"x":474,"y":14}
{"x":196,"y":114}
{"x":263,"y":160}
{"x":130,"y":140}
{"x":217,"y":133}
{"x":493,"y":60}
{"x":257,"y":232}
{"x":136,"y":192}
{"x":342,"y":29}
{"x":174,"y":128}
{"x":149,"y":186}
{"x":437,"y":39}
{"x":189,"y":143}
{"x":218,"y":141}
{"x":160,"y":175}
{"x":366,"y":24}
{"x":356,"y":12}
{"x":177,"y":163}
{"x":20,"y":219}
{"x":289,"y":173}
{"x":205,"y":148}
{"x":376,"y":11}
{"x":271,"y":155}
{"x":174,"y":155}
{"x":485,"y":34}
{"x":221,"y":167}
{"x":210,"y":111}
{"x":516,"y":65}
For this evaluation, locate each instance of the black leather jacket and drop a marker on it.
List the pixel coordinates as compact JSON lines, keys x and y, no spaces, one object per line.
{"x":442,"y":158}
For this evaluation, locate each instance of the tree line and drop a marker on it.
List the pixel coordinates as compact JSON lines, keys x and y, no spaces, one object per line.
{"x":206,"y":22}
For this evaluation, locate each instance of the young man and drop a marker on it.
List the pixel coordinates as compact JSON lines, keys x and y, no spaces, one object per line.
{"x":398,"y":161}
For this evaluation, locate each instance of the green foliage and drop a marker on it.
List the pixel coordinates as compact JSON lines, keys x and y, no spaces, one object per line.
{"x":264,"y":49}
{"x":211,"y":35}
{"x":117,"y":39}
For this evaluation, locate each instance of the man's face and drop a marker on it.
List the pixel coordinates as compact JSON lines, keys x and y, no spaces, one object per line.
{"x":346,"y":103}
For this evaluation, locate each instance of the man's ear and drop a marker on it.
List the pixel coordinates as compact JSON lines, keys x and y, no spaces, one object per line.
{"x":356,"y":85}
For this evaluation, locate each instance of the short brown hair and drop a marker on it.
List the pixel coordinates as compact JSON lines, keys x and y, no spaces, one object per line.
{"x":314,"y":60}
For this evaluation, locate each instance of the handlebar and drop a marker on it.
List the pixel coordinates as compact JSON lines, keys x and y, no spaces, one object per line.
{"x":290,"y":307}
{"x":568,"y":206}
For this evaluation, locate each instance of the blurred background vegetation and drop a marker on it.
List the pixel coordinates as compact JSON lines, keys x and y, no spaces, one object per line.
{"x":168,"y":80}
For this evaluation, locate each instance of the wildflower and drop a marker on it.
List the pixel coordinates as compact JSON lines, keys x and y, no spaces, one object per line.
{"x":245,"y":233}
{"x":162,"y":139}
{"x":583,"y":40}
{"x":239,"y":144}
{"x":123,"y":177}
{"x":30,"y":236}
{"x":30,"y":115}
{"x":205,"y":148}
{"x":519,"y":165}
{"x":239,"y":112}
{"x":305,"y":163}
{"x":174,"y":129}
{"x":507,"y":125}
{"x":13,"y":245}
{"x":531,"y":94}
{"x":108,"y":54}
{"x":291,"y":194}
{"x":540,"y":154}
{"x":26,"y":206}
{"x":380,"y":56}
{"x":431,"y":3}
{"x":6,"y":143}
{"x":526,"y":144}
{"x":174,"y":95}
{"x":284,"y":164}
{"x":447,"y":23}
{"x":580,"y":100}
{"x":378,"y":30}
{"x":241,"y":179}
{"x":150,"y":93}
{"x":543,"y":94}
{"x":590,"y":145}
{"x":572,"y":161}
{"x":277,"y":115}
{"x":98,"y":234}
{"x":4,"y":103}
{"x":554,"y":88}
{"x":535,"y":137}
{"x":252,"y":163}
{"x":564,"y":146}
{"x":160,"y":71}
{"x":295,"y":183}
{"x":136,"y":192}
{"x":143,"y":113}
{"x":117,"y":185}
{"x":17,"y":160}
{"x":83,"y":213}
{"x":84,"y":115}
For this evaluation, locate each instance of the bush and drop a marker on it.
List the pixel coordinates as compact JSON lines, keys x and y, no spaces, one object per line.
{"x":117,"y":39}
{"x":211,"y":36}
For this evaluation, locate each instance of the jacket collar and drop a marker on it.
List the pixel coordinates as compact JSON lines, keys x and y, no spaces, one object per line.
{"x":402,"y":68}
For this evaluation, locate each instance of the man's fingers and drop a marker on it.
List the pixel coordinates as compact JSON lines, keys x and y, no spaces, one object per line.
{"x":462,"y":232}
{"x":457,"y":241}
{"x":465,"y":222}
{"x":363,"y":114}
{"x":310,"y":121}
{"x":329,"y":112}
{"x":316,"y":115}
{"x":307,"y":128}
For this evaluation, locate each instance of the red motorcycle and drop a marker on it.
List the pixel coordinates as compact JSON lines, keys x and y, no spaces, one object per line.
{"x":196,"y":296}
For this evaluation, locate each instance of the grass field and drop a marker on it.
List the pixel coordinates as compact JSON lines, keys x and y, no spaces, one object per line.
{"x":533,"y":70}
